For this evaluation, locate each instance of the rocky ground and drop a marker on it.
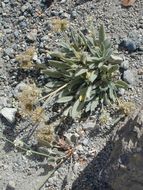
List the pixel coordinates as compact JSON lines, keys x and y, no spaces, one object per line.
{"x":28,"y":23}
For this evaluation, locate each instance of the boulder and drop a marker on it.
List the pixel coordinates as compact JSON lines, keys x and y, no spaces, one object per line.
{"x":125,"y":167}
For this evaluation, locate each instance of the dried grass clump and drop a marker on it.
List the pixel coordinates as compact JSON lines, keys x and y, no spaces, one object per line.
{"x":38,"y":115}
{"x":45,"y":136}
{"x":104,"y":117}
{"x":25,"y":59}
{"x":126,"y":107}
{"x":60,"y":25}
{"x":27,"y":99}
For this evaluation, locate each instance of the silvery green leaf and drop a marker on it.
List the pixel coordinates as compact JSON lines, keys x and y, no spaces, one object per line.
{"x":81,"y":71}
{"x":104,"y":68}
{"x":103,"y":89}
{"x":113,"y":68}
{"x":88,"y":92}
{"x":107,"y":44}
{"x":53,"y":74}
{"x":83,"y":58}
{"x":57,"y":54}
{"x":111,"y":94}
{"x":74,"y":39}
{"x":88,"y":107}
{"x":106,"y":99}
{"x":108,"y":54}
{"x":93,"y":76}
{"x":65,"y":99}
{"x":115,"y":59}
{"x":101,"y":33}
{"x":121,"y":84}
{"x":100,"y":64}
{"x":74,"y":112}
{"x":58,"y":64}
{"x":66,"y":112}
{"x":94,"y":104}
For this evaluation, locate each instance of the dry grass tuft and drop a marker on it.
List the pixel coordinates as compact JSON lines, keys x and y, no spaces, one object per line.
{"x":126,"y":107}
{"x":27,"y":99}
{"x":25,"y":59}
{"x":60,"y":25}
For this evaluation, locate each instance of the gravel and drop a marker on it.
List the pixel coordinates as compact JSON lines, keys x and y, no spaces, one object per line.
{"x":28,"y":23}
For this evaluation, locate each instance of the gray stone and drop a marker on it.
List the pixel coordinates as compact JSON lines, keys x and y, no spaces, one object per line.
{"x":9,"y":52}
{"x":74,"y":14}
{"x":128,"y":77}
{"x":26,"y":7}
{"x":6,"y":1}
{"x":35,"y":57}
{"x":121,"y":91}
{"x":8,"y":31}
{"x":19,"y":89}
{"x":45,"y":38}
{"x":3,"y":102}
{"x":80,"y":148}
{"x":21,"y":18}
{"x":54,"y":13}
{"x":11,"y":185}
{"x":38,"y":61}
{"x":65,"y":15}
{"x":9,"y":114}
{"x":16,"y":33}
{"x":23,"y":24}
{"x":125,"y":65}
{"x":63,"y":1}
{"x":125,"y":169}
{"x":32,"y":35}
{"x":85,"y":142}
{"x":88,"y":125}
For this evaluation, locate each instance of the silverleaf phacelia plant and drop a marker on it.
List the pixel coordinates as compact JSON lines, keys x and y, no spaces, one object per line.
{"x":82,"y":71}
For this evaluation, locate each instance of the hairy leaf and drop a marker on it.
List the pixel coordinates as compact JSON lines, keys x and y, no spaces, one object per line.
{"x":65,"y":99}
{"x":121,"y":84}
{"x":101,"y":34}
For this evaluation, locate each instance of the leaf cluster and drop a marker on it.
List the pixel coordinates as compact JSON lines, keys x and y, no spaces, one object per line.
{"x":82,"y":65}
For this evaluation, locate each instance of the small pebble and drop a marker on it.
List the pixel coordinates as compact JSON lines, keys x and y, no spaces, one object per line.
{"x":74,"y":14}
{"x":85,"y":142}
{"x":125,"y":65}
{"x":129,"y":77}
{"x":11,"y":185}
{"x":9,"y":52}
{"x":32,"y":35}
{"x":128,"y":45}
{"x":65,"y":15}
{"x":121,"y":91}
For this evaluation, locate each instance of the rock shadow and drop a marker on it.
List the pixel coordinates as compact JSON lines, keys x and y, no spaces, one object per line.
{"x":91,"y":177}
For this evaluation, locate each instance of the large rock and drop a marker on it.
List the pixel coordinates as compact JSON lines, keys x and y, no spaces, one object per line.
{"x":125,"y":168}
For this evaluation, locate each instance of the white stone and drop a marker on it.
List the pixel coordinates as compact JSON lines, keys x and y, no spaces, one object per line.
{"x":9,"y":114}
